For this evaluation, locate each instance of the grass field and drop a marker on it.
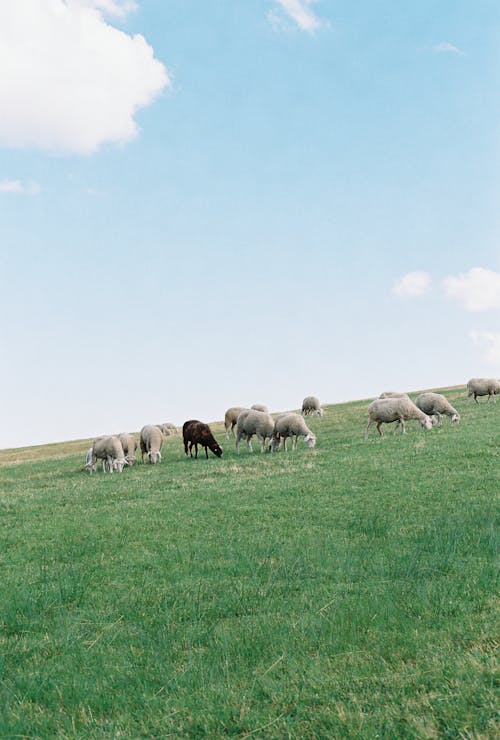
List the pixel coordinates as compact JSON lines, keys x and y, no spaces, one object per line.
{"x":345,"y":591}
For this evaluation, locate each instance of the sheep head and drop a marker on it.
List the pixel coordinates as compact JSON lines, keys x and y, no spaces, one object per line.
{"x":310,"y":439}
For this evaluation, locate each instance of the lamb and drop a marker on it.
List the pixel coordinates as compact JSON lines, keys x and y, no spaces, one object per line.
{"x":387,"y":410}
{"x":90,"y":462}
{"x":167,"y":429}
{"x":311,"y":406}
{"x":435,"y":404}
{"x":195,"y":432}
{"x":294,"y":426}
{"x":110,"y":451}
{"x":231,"y":418}
{"x":259,"y":407}
{"x":256,"y":422}
{"x":483,"y":387}
{"x":151,"y":442}
{"x":129,"y":444}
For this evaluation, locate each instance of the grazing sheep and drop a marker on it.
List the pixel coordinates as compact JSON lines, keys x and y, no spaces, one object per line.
{"x":256,"y":422}
{"x":435,"y":404}
{"x":151,"y":442}
{"x":294,"y":426}
{"x":259,"y":407}
{"x":129,"y":444}
{"x":393,"y":394}
{"x":231,"y":418}
{"x":167,"y":429}
{"x":387,"y":410}
{"x":110,"y":451}
{"x":311,"y":406}
{"x":196,"y":433}
{"x":483,"y":387}
{"x":90,"y":462}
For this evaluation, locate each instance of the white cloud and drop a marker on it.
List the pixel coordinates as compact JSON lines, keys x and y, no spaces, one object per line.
{"x":412,"y":284}
{"x":478,"y":289}
{"x":116,"y":8}
{"x":71,"y":81}
{"x":489,"y":342}
{"x":16,"y":186}
{"x":299,"y":11}
{"x":446,"y":47}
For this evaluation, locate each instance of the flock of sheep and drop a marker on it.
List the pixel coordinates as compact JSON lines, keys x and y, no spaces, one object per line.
{"x":116,"y":452}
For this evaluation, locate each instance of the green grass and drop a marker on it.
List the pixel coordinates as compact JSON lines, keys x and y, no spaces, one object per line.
{"x":345,"y":591}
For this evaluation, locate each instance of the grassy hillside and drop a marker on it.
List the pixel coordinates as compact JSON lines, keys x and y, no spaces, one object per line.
{"x":345,"y":591}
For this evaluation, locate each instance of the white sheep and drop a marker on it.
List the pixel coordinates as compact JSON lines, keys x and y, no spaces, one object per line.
{"x":231,"y":418}
{"x":167,"y":429}
{"x":294,"y":426}
{"x":110,"y":451}
{"x":435,"y":404}
{"x":393,"y":394}
{"x":151,"y":442}
{"x":129,"y":444}
{"x":90,"y":462}
{"x":483,"y":387}
{"x":387,"y":410}
{"x":252,"y":422}
{"x":260,"y":407}
{"x":311,"y":406}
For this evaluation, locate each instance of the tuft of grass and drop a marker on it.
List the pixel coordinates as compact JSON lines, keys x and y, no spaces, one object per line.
{"x":345,"y":591}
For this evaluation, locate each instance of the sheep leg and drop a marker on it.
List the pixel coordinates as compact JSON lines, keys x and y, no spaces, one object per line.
{"x":196,"y":450}
{"x":368,"y":427}
{"x":249,"y":444}
{"x":294,"y":443}
{"x":379,"y":423}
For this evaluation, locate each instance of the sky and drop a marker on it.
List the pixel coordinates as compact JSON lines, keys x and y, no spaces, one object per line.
{"x":220,"y":203}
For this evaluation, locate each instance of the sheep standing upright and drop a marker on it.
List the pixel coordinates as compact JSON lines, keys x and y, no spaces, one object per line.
{"x":231,"y":418}
{"x":151,"y":442}
{"x":196,"y":433}
{"x":435,"y":404}
{"x":387,"y":410}
{"x":483,"y":387}
{"x":294,"y":426}
{"x":311,"y":406}
{"x":255,"y":422}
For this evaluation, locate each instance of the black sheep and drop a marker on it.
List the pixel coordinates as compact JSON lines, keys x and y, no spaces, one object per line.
{"x":196,"y":433}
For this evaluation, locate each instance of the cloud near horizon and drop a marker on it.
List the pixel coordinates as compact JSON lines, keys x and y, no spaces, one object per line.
{"x":489,"y":342}
{"x":478,"y":289}
{"x":299,"y":11}
{"x":412,"y":285}
{"x":74,"y":82}
{"x":16,"y":186}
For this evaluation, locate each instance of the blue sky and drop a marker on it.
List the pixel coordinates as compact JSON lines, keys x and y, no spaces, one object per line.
{"x":241,"y":201}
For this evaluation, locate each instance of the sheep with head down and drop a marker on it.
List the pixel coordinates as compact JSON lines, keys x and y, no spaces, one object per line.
{"x":435,"y":404}
{"x":386,"y":410}
{"x":231,"y":418}
{"x":110,"y":451}
{"x":129,"y":444}
{"x":311,"y":406}
{"x":151,"y":442}
{"x":258,"y":423}
{"x":292,"y":425}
